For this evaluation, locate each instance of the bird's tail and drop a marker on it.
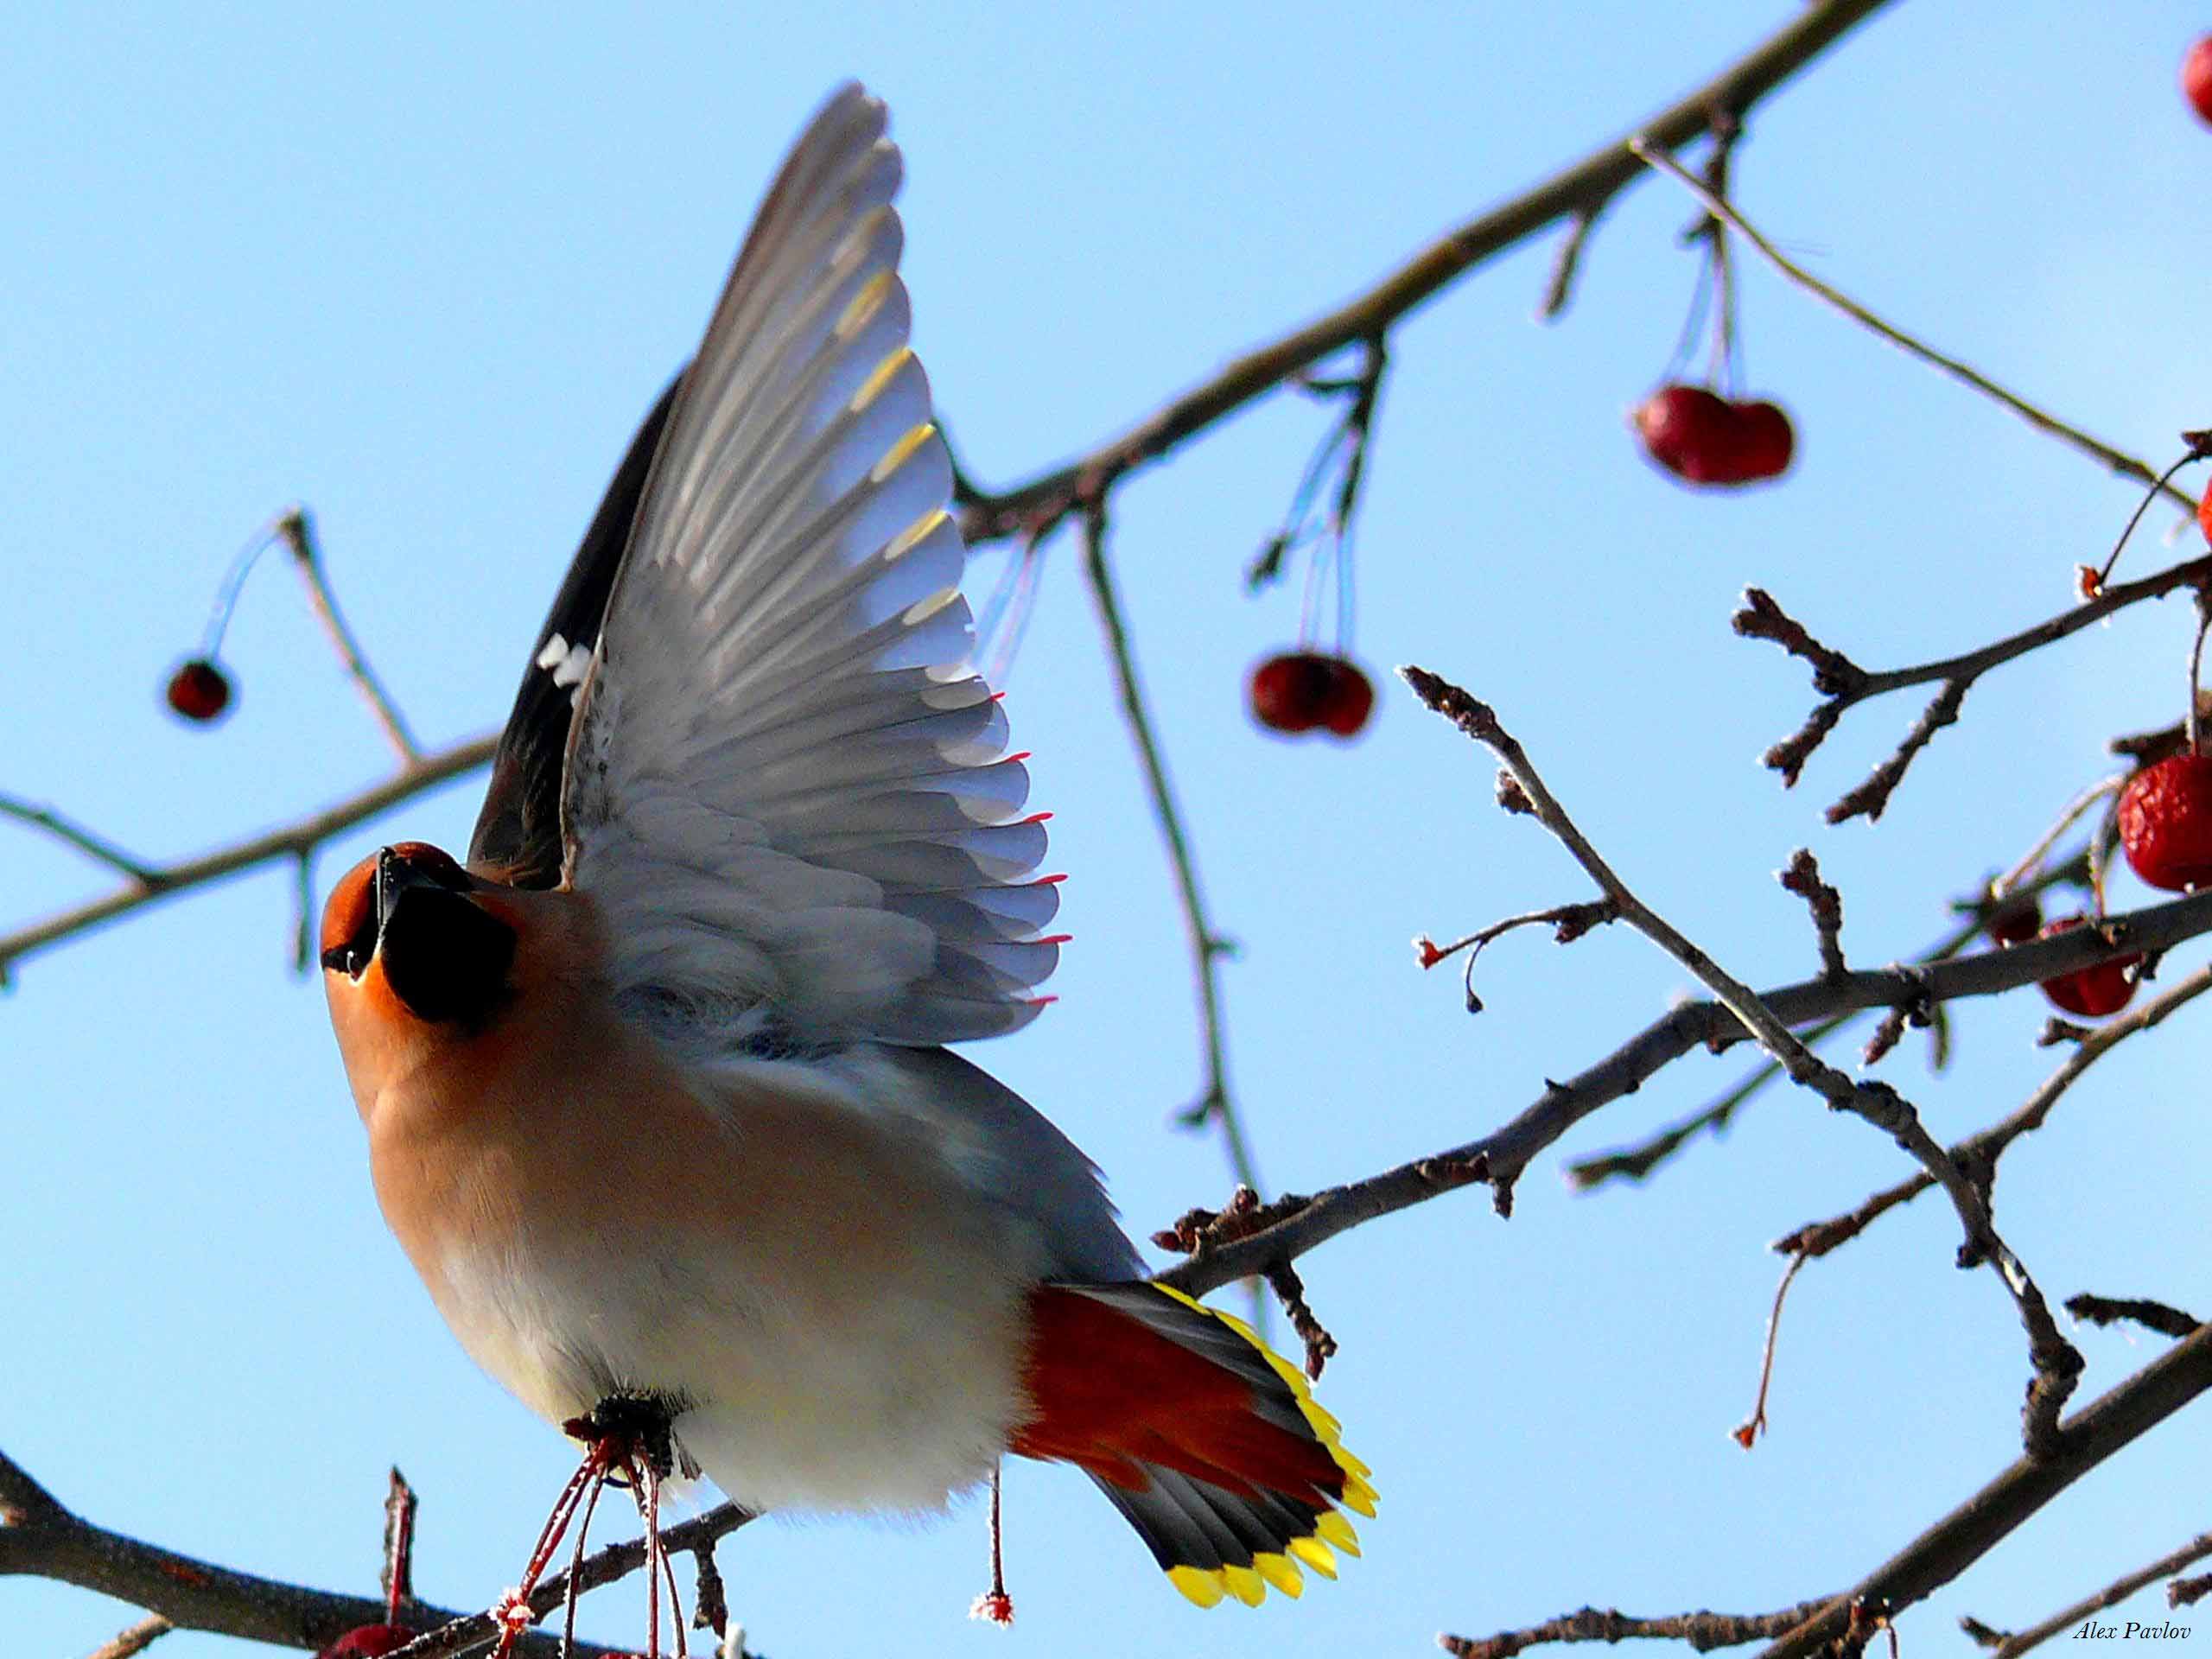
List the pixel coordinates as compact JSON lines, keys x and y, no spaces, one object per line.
{"x":1210,"y":1444}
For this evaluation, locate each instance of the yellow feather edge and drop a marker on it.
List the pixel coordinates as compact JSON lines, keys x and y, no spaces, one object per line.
{"x":1202,"y":1588}
{"x":1248,"y":1585}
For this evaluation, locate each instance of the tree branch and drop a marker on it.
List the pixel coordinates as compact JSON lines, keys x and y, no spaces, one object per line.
{"x":1207,"y":946}
{"x":297,"y":839}
{"x":1704,"y":1631}
{"x":40,"y":1537}
{"x":2056,"y":1363}
{"x":1977,"y":1526}
{"x":1842,"y":682}
{"x":1577,"y":194}
{"x":1500,"y":1156}
{"x":1980,"y":1151}
{"x":2010,"y":1647}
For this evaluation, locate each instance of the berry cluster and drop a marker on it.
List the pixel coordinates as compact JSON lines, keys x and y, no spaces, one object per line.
{"x":1296,"y":691}
{"x":1703,"y":438}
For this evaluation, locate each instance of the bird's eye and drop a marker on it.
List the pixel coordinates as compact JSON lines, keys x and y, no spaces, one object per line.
{"x":349,"y":921}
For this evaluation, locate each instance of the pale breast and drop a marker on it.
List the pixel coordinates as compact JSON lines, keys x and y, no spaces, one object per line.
{"x":842,"y":1309}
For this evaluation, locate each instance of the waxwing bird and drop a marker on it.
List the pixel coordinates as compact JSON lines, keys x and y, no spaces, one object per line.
{"x":655,"y":1085}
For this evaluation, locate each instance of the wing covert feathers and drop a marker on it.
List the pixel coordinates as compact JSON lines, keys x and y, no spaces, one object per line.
{"x":1210,"y":1444}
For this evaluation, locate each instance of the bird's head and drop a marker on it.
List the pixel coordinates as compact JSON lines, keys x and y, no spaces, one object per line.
{"x":417,"y":955}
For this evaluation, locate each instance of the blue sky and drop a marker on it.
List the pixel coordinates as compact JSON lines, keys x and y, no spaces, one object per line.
{"x":425,"y":275}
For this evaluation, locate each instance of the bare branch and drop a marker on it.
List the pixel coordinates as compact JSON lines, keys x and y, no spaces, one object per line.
{"x":39,"y":1536}
{"x":128,"y":1644}
{"x":2056,"y":1363}
{"x":1580,"y":190}
{"x":295,"y":840}
{"x":1762,"y":618}
{"x":1802,"y":877}
{"x":85,"y":840}
{"x":1207,"y":945}
{"x":1988,"y":1516}
{"x":1566,"y":262}
{"x":2111,"y":1310}
{"x":1703,"y":1631}
{"x":1654,"y":152}
{"x":1500,"y":1156}
{"x":1870,"y":797}
{"x":2010,"y":1647}
{"x":296,"y":531}
{"x":1980,"y":1151}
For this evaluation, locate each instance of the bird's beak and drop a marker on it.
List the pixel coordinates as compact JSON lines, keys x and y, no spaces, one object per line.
{"x":396,"y":878}
{"x":443,"y":955}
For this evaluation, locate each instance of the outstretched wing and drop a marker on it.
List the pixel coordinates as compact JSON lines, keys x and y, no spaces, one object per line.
{"x":785,"y":785}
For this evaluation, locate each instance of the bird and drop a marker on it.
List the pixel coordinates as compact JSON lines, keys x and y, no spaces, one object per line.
{"x":655,"y":1080}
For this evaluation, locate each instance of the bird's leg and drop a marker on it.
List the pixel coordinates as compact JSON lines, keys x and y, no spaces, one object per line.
{"x":512,"y":1609}
{"x":624,"y":1434}
{"x":576,"y":1569}
{"x":635,"y":1434}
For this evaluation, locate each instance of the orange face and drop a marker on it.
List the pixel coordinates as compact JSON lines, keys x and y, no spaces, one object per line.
{"x":351,"y":917}
{"x":415,"y":917}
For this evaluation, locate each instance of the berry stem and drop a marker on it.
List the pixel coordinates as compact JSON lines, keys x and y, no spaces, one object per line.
{"x":2032,"y":859}
{"x":1654,"y":154}
{"x":2189,"y":726}
{"x":296,"y":531}
{"x":2092,"y":588}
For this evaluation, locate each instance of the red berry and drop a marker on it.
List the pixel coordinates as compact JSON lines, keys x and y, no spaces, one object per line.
{"x":199,"y":690}
{"x":1692,"y":433}
{"x":2204,"y":505}
{"x":1766,"y":441}
{"x":2165,"y":822}
{"x":2091,"y":993}
{"x":1351,"y":699}
{"x":2016,"y":921}
{"x":2197,"y":78}
{"x":368,"y":1641}
{"x":1290,"y":691}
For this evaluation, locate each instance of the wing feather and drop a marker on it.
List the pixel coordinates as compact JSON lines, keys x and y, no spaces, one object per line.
{"x":784,"y":784}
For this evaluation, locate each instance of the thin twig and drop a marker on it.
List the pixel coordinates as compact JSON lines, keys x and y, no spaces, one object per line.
{"x":295,"y":840}
{"x":1747,"y":1433}
{"x":2056,"y":1363}
{"x":1567,"y":922}
{"x":128,"y":1644}
{"x":1802,"y":877}
{"x":1207,"y":945}
{"x":95,"y":846}
{"x":1499,"y":1157}
{"x":1567,"y":264}
{"x":2112,"y":1595}
{"x":1843,"y":683}
{"x":1582,"y":189}
{"x":1704,"y":1631}
{"x":1980,"y":1151}
{"x":2166,"y":1320}
{"x":1653,"y":151}
{"x":297,"y":531}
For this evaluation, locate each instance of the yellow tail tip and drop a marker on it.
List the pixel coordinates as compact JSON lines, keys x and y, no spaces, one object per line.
{"x":1199,"y":1586}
